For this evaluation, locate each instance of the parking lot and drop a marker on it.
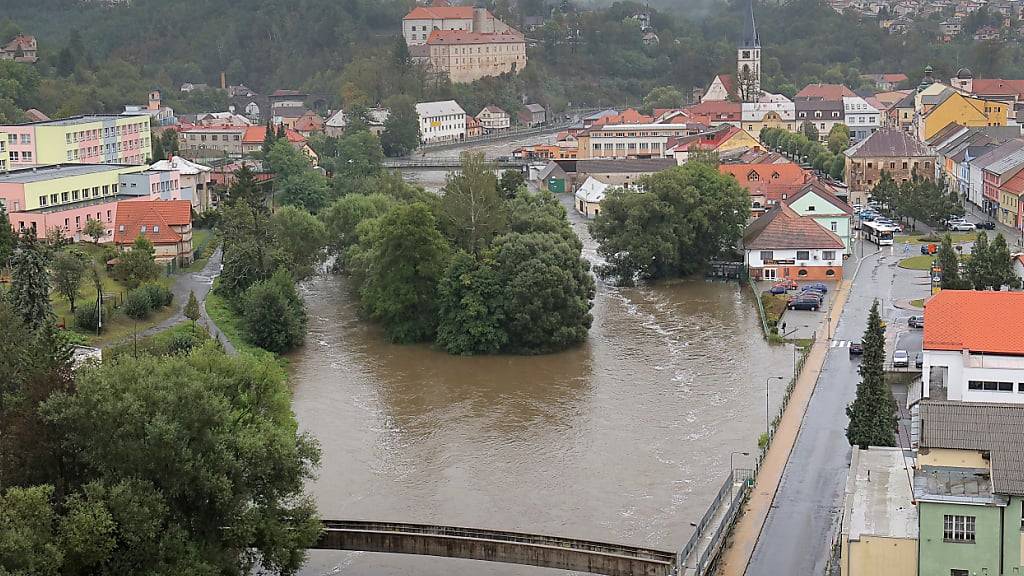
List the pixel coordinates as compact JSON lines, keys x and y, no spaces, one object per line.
{"x":803,"y":324}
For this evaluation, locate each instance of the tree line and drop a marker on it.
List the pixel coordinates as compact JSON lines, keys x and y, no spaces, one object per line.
{"x":804,"y":147}
{"x":917,"y":199}
{"x":987,"y":267}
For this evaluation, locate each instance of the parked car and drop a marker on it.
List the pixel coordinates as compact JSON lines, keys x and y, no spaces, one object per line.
{"x":961,"y":226}
{"x":924,"y":249}
{"x":986,"y":225}
{"x":919,"y":361}
{"x":900,"y":359}
{"x":856,"y":348}
{"x":817,"y":286}
{"x":777,"y":289}
{"x":857,"y":208}
{"x":805,"y":303}
{"x":915,"y":321}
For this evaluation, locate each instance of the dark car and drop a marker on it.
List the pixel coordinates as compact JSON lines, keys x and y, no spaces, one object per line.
{"x":919,"y":361}
{"x":856,"y":348}
{"x":777,"y":289}
{"x":805,"y":304}
{"x":820,"y":286}
{"x":807,"y":296}
{"x":987,"y":225}
{"x":924,"y":249}
{"x":915,"y":321}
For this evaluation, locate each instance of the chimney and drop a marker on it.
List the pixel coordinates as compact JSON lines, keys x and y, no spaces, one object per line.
{"x":223,"y":81}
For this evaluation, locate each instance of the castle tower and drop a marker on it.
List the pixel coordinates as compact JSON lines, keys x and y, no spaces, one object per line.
{"x":154,"y":100}
{"x":748,"y":60}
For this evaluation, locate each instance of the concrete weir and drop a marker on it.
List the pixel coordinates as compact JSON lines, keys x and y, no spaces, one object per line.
{"x":496,"y":546}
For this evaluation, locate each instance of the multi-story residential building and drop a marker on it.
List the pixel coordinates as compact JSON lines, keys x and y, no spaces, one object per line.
{"x":933,"y":112}
{"x":768,"y":183}
{"x":467,"y":56}
{"x":901,"y":114}
{"x":375,"y":120}
{"x":197,"y":141}
{"x":167,"y":224}
{"x":969,"y":487}
{"x":285,"y":98}
{"x":885,"y":82}
{"x":822,"y":114}
{"x":494,"y":119}
{"x":716,"y":113}
{"x":957,"y":149}
{"x":254,"y":137}
{"x":817,"y":200}
{"x":422,"y":20}
{"x":154,"y":109}
{"x":997,"y":178}
{"x":719,"y":140}
{"x":533,"y":115}
{"x":1010,"y":92}
{"x":783,"y":244}
{"x":771,"y":111}
{"x":973,"y":347}
{"x":194,"y":183}
{"x":897,"y":153}
{"x":977,"y":166}
{"x":827,"y":92}
{"x":66,"y":196}
{"x":443,"y":121}
{"x":631,"y":140}
{"x":4,"y":160}
{"x":22,"y":48}
{"x":93,"y":139}
{"x":862,"y":118}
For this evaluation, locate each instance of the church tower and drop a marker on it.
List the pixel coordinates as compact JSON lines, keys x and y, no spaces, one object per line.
{"x":748,"y":60}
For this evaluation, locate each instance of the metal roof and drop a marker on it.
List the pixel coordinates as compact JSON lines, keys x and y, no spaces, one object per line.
{"x":52,"y":171}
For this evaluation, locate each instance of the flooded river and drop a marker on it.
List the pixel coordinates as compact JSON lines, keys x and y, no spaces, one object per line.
{"x":624,"y":439}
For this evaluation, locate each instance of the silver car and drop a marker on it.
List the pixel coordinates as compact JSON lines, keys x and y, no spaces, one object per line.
{"x":900,"y":359}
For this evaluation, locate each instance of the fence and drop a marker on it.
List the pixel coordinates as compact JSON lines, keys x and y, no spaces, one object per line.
{"x":729,"y":494}
{"x":760,"y":307}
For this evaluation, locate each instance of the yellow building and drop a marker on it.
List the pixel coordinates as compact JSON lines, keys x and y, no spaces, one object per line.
{"x":4,"y":161}
{"x":951,"y":107}
{"x":721,"y":139}
{"x":91,"y":139}
{"x":880,"y":528}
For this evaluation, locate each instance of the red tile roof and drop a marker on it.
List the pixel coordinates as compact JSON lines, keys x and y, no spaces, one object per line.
{"x":463,"y":37}
{"x":709,"y":112}
{"x":783,"y":229}
{"x":824,"y":92}
{"x":440,"y":13}
{"x":769,"y":180}
{"x":997,"y":87}
{"x":1015,"y":185}
{"x":727,"y":82}
{"x":706,"y":141}
{"x":156,"y":215}
{"x":628,"y":116}
{"x":309,"y":122}
{"x":256,"y":134}
{"x":991,"y":322}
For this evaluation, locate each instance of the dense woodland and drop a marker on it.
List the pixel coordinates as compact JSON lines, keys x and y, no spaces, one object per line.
{"x":97,"y":58}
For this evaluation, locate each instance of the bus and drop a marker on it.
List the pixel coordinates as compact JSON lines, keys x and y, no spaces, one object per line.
{"x":880,"y":234}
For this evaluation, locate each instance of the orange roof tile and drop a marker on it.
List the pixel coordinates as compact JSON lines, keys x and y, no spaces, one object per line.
{"x":256,"y":134}
{"x":783,"y":229}
{"x":460,"y":37}
{"x":440,"y":13}
{"x":156,"y":215}
{"x":769,"y":180}
{"x":628,"y":116}
{"x":708,"y":112}
{"x":824,"y":92}
{"x":991,"y":322}
{"x":997,"y":87}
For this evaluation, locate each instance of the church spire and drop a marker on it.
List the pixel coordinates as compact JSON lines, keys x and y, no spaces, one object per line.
{"x":750,"y":39}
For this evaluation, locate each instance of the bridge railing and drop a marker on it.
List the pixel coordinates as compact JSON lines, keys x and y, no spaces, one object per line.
{"x":498,"y":535}
{"x":723,"y":527}
{"x":702,"y":525}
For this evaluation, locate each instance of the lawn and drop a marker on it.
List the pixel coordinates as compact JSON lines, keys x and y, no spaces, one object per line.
{"x":919,"y":303}
{"x":774,"y":307}
{"x":118,"y":326}
{"x":957,"y":237}
{"x":201,"y":237}
{"x":922,"y":262}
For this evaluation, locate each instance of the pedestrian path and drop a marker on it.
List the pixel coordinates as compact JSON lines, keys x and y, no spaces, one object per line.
{"x":840,"y":343}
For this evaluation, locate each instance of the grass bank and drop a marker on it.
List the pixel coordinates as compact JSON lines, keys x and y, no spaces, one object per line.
{"x":230,"y":324}
{"x":922,"y":262}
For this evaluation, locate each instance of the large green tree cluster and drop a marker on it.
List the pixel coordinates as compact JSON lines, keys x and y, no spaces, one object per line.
{"x":873,"y":412}
{"x":685,"y":217}
{"x":801,"y":148}
{"x":474,"y":271}
{"x":989,"y":266}
{"x":917,"y":199}
{"x":188,"y":464}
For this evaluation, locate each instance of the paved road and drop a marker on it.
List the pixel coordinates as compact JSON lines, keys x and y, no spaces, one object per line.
{"x":797,"y":533}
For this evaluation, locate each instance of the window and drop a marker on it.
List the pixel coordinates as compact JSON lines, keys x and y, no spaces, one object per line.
{"x":15,"y":155}
{"x":26,"y":138}
{"x":156,"y":228}
{"x":990,"y":386}
{"x":767,"y":256}
{"x":958,"y":528}
{"x":834,"y":225}
{"x":26,"y":156}
{"x":828,"y":255}
{"x":810,"y":208}
{"x":120,"y":227}
{"x":830,"y":272}
{"x":802,"y":272}
{"x":143,"y":228}
{"x":803,"y":255}
{"x":959,"y":572}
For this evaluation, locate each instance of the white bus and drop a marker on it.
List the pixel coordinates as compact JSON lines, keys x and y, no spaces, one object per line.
{"x":878,"y":233}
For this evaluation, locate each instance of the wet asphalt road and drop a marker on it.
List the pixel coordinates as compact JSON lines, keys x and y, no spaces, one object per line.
{"x":807,"y":508}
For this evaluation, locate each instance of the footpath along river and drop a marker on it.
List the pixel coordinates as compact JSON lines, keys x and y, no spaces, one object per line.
{"x":624,"y":439}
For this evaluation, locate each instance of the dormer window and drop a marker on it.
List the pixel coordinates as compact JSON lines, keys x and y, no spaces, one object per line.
{"x":120,"y":228}
{"x":775,"y":175}
{"x":810,"y":208}
{"x":753,"y":176}
{"x":157,"y":228}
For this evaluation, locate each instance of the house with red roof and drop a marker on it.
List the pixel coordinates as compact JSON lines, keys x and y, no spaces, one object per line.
{"x":22,"y":48}
{"x":253,"y":136}
{"x":974,"y":347}
{"x":828,"y":92}
{"x":715,"y":113}
{"x":309,"y":123}
{"x":721,"y":139}
{"x":627,"y":116}
{"x":165,"y":223}
{"x":784,"y":244}
{"x":721,"y":89}
{"x":768,"y":184}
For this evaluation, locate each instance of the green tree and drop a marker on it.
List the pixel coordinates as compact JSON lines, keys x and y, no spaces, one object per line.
{"x":990,"y":265}
{"x":300,"y":238}
{"x":978,"y":264}
{"x":885,"y":191}
{"x":8,"y":239}
{"x":269,"y":138}
{"x":402,"y":128}
{"x":662,"y":97}
{"x":704,"y":156}
{"x":838,"y":139}
{"x":512,"y":182}
{"x":192,"y":309}
{"x":28,"y":530}
{"x":359,"y":155}
{"x":30,"y":281}
{"x":950,"y":264}
{"x":873,"y":412}
{"x":137,"y":265}
{"x":688,"y":216}
{"x":273,"y":314}
{"x":308,"y":191}
{"x":343,"y":216}
{"x":471,"y":303}
{"x":285,"y":160}
{"x":245,"y":187}
{"x":809,"y":130}
{"x":406,"y":258}
{"x":187,"y":464}
{"x":472,"y":210}
{"x":69,"y":267}
{"x":94,"y":229}
{"x":838,"y":168}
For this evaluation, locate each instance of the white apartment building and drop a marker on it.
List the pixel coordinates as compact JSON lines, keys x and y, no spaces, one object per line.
{"x":862,"y":118}
{"x":974,"y":347}
{"x":443,"y":121}
{"x":493,"y":118}
{"x":632,"y":140}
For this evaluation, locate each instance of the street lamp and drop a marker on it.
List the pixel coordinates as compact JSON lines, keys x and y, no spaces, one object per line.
{"x":767,"y":394}
{"x":732,"y":467}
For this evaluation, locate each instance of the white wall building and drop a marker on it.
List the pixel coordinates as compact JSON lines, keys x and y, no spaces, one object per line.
{"x":422,"y":20}
{"x":974,"y":347}
{"x":443,"y":121}
{"x":862,"y":118}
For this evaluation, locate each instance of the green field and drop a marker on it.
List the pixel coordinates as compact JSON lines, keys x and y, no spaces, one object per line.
{"x":918,"y":303}
{"x":922,"y":262}
{"x":957,"y":237}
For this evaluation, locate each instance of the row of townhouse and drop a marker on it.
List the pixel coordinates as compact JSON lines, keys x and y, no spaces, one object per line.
{"x":447,"y":121}
{"x":986,"y":167}
{"x":953,"y":504}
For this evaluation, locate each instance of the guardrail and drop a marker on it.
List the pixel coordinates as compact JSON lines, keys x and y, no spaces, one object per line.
{"x":760,"y":307}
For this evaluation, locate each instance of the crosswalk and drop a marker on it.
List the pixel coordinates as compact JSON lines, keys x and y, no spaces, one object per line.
{"x":840,"y":344}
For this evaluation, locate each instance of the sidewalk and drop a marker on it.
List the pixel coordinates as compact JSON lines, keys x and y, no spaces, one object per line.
{"x":748,"y":527}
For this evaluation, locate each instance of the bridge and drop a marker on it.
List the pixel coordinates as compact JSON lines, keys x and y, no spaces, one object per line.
{"x":445,"y":163}
{"x":496,"y":546}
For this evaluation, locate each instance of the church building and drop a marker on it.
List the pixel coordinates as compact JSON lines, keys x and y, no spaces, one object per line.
{"x":745,"y":85}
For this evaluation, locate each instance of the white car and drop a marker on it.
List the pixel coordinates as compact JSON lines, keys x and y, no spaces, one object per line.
{"x":962,"y":226}
{"x":900,"y":359}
